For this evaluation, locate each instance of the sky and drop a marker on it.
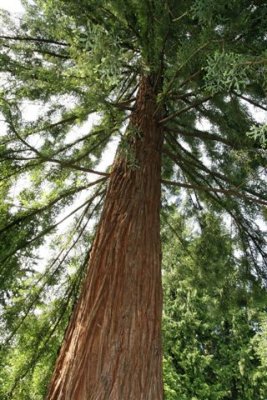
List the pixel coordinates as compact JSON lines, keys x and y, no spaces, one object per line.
{"x":11,"y":5}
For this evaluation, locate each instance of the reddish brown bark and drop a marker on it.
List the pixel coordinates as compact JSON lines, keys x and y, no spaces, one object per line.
{"x":112,"y":348}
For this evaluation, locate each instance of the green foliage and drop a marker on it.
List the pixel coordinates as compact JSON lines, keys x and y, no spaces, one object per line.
{"x":230,"y":71}
{"x":212,"y":314}
{"x":260,"y":341}
{"x":226,"y":71}
{"x":259,"y":133}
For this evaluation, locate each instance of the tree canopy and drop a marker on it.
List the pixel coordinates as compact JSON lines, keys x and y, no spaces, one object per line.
{"x":70,"y":74}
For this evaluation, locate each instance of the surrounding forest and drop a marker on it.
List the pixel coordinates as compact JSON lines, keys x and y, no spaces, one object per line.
{"x":133,"y":194}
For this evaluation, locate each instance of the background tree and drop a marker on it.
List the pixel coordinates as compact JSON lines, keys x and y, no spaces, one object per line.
{"x":174,"y":85}
{"x":212,"y":316}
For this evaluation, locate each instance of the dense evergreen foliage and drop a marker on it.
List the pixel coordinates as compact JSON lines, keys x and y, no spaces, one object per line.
{"x":212,"y":317}
{"x":70,"y":72}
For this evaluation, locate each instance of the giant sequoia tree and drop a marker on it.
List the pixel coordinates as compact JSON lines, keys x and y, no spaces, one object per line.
{"x":176,"y":85}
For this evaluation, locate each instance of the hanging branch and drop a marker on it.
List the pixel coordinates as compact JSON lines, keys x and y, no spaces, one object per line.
{"x":44,"y":52}
{"x":33,"y":39}
{"x":48,"y":335}
{"x":208,"y":114}
{"x":190,"y":78}
{"x":5,"y":155}
{"x":63,"y":121}
{"x":45,"y":158}
{"x":213,"y":174}
{"x":213,"y":194}
{"x":253,"y":102}
{"x":200,"y":135}
{"x":62,"y":196}
{"x":47,"y":230}
{"x":181,"y":240}
{"x":41,"y":289}
{"x":245,"y":236}
{"x":183,"y":110}
{"x":231,"y":191}
{"x":244,"y":232}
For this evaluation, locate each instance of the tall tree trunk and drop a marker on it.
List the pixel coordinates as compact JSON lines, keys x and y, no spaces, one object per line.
{"x":112,"y":347}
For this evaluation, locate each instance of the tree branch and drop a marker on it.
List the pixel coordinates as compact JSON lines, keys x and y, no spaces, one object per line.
{"x":231,"y":191}
{"x":45,"y":158}
{"x":201,"y":135}
{"x":33,"y":39}
{"x":35,"y":211}
{"x":40,"y":289}
{"x":254,"y":103}
{"x":179,"y":112}
{"x":47,"y":230}
{"x":215,"y":175}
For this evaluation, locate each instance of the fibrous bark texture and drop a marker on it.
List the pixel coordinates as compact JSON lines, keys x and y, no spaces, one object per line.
{"x":112,"y":347}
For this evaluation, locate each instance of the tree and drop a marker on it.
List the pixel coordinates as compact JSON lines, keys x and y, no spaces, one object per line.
{"x":213,"y":337}
{"x":152,"y":72}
